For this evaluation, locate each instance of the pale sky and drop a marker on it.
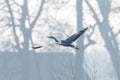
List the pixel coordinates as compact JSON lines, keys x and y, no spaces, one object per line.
{"x":64,"y":15}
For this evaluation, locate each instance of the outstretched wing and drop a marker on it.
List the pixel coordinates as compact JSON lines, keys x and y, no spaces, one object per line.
{"x":75,"y":36}
{"x":52,"y":37}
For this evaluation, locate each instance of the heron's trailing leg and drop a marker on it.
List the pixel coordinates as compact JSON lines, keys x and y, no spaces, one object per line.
{"x":77,"y":48}
{"x":74,"y":47}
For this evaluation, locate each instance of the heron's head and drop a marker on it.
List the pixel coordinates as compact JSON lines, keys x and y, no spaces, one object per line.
{"x":50,"y":37}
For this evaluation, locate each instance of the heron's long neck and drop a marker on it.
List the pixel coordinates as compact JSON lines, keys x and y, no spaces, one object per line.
{"x":56,"y":40}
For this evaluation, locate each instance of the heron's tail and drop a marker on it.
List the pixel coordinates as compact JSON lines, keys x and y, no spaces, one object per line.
{"x":77,"y":48}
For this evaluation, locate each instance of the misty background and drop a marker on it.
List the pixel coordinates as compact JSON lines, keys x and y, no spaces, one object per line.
{"x":27,"y":23}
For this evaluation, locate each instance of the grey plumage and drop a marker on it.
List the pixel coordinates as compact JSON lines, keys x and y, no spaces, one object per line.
{"x":67,"y":42}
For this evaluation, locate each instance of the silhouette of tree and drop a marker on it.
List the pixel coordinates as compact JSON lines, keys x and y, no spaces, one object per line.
{"x":79,"y":54}
{"x":17,"y":19}
{"x":111,"y":43}
{"x":22,"y":24}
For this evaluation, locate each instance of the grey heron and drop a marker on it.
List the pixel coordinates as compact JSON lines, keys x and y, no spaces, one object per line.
{"x":67,"y":42}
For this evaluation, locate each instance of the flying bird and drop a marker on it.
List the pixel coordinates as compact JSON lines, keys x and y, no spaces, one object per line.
{"x":67,"y":42}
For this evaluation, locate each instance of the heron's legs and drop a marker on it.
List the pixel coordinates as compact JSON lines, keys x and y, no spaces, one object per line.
{"x":74,"y":47}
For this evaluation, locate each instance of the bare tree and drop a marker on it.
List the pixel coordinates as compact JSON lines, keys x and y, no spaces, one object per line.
{"x":18,"y":17}
{"x":79,"y":54}
{"x":111,"y":43}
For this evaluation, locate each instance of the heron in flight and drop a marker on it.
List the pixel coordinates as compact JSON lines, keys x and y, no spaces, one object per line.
{"x":67,"y":42}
